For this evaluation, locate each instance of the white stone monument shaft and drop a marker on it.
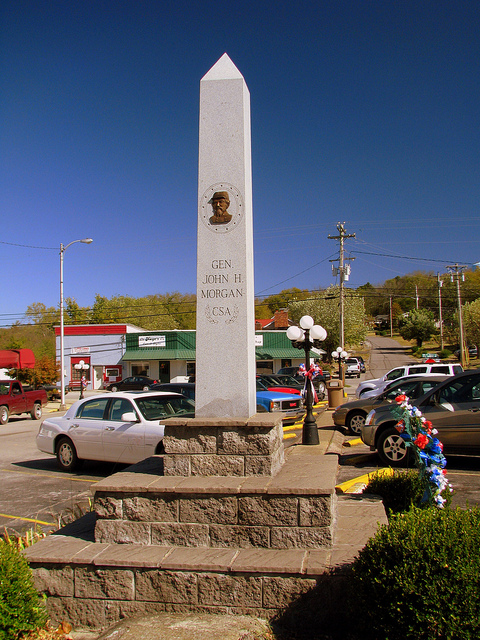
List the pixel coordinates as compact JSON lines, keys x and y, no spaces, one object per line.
{"x":225,"y":338}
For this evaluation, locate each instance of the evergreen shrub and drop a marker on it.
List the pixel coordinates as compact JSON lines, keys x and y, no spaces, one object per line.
{"x":445,"y":353}
{"x":21,"y":607}
{"x":400,"y":491}
{"x":419,"y":577}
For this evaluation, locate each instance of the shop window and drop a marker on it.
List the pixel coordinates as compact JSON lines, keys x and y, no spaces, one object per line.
{"x":264,"y":366}
{"x":141,"y":369}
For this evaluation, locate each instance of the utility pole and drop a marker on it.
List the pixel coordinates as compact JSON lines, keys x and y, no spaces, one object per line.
{"x":456,"y":272}
{"x":344,"y":272}
{"x":440,"y":284}
{"x":391,"y":318}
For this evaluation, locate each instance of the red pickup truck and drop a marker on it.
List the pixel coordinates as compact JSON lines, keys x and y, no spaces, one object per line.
{"x":14,"y":400}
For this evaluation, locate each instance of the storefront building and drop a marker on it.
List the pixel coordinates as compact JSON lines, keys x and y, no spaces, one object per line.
{"x":100,"y":346}
{"x":115,"y":351}
{"x":169,"y":356}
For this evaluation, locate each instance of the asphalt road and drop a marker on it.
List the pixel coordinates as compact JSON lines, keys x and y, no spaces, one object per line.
{"x":33,"y":493}
{"x":357,"y":461}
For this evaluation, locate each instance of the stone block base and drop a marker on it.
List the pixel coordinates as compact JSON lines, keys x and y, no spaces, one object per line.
{"x":294,"y":509}
{"x":94,"y":584}
{"x":228,"y":447}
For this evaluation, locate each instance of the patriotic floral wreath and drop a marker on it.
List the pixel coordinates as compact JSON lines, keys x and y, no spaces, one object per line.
{"x":312,"y":373}
{"x":419,"y":434}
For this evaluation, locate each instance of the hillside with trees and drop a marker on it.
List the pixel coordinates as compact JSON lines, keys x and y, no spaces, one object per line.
{"x":413,"y":301}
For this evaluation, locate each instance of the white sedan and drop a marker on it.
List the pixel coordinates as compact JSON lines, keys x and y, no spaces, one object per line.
{"x":126,"y":426}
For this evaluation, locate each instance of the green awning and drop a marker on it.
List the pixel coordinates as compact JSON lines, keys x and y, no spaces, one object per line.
{"x":159,"y":354}
{"x":264,"y":353}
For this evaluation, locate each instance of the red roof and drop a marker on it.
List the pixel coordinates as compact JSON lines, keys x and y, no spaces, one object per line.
{"x":92,"y":329}
{"x":263,"y":322}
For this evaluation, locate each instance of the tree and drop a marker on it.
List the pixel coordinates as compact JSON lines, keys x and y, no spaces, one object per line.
{"x":325,"y":312}
{"x":46,"y":371}
{"x":419,"y":326}
{"x":471,"y":321}
{"x":281,"y":300}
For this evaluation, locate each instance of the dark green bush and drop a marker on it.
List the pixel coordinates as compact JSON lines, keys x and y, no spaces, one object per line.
{"x":21,"y":607}
{"x":399,"y":491}
{"x":445,"y":353}
{"x":419,"y":577}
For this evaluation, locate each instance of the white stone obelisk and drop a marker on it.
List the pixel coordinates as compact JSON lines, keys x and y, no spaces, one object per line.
{"x":225,"y":340}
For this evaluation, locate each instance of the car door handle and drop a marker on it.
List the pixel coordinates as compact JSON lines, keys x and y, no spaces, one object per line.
{"x":109,"y":428}
{"x":74,"y":426}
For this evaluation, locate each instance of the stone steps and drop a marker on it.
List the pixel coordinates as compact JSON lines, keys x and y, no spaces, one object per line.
{"x":94,"y":584}
{"x":293,"y":509}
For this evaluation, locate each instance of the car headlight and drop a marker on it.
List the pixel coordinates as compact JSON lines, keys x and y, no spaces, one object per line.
{"x":369,"y":418}
{"x":275,"y":405}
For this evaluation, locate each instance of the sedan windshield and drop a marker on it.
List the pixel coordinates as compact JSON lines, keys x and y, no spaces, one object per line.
{"x":161,"y":407}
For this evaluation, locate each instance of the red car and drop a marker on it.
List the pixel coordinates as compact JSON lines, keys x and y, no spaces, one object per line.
{"x":275,"y":385}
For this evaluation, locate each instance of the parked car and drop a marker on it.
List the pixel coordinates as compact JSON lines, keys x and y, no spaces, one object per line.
{"x":453,"y":408}
{"x":293,"y":371}
{"x":352,"y":414}
{"x":319,"y":382}
{"x":352,"y":368}
{"x":409,"y":370}
{"x":187,"y":389}
{"x":289,"y":381}
{"x":290,"y":404}
{"x":387,"y":384}
{"x":273,"y":384}
{"x":15,"y":400}
{"x":133,"y":383}
{"x":472,"y":352}
{"x":118,"y":427}
{"x":363,"y":366}
{"x":53,"y":392}
{"x":320,"y":388}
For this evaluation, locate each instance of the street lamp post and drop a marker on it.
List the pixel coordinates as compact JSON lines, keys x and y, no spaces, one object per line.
{"x":63,"y":248}
{"x":305,"y":337}
{"x":82,"y":366}
{"x":341,"y":355}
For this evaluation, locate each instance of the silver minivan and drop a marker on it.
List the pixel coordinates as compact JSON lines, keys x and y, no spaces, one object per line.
{"x":446,"y":369}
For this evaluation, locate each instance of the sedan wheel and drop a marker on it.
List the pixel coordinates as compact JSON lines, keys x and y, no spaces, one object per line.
{"x":321,"y":390}
{"x":67,"y":455}
{"x":114,"y":389}
{"x":3,"y":415}
{"x":391,"y":448}
{"x":355,"y":422}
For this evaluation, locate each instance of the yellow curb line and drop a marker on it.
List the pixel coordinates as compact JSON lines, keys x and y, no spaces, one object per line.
{"x":4,"y":515}
{"x":292,"y":427}
{"x":49,"y":475}
{"x":287,"y":436}
{"x":361,"y":481}
{"x":353,"y":442}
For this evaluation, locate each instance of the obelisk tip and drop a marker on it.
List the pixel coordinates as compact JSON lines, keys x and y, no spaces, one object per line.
{"x":223,"y":69}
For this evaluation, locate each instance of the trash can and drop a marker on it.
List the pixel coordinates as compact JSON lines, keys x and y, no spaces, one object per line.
{"x":335,"y":393}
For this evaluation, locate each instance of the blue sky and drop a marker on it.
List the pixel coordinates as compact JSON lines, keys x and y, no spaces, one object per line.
{"x":363,"y":111}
